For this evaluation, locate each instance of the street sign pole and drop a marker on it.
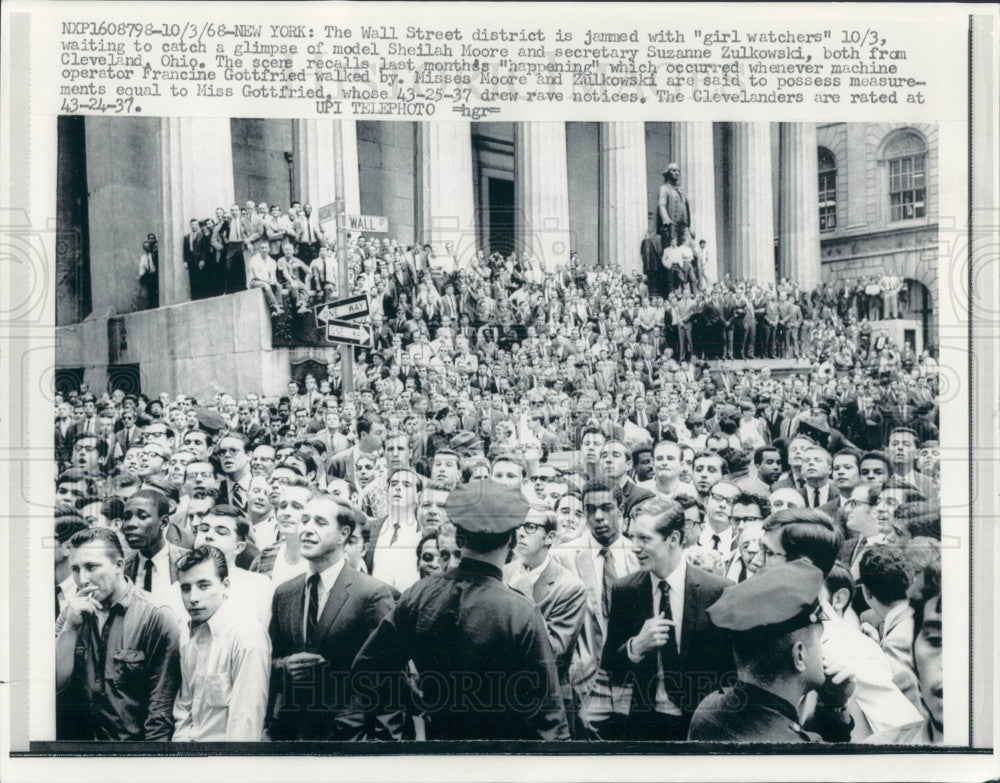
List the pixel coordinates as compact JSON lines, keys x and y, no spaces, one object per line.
{"x":343,"y":281}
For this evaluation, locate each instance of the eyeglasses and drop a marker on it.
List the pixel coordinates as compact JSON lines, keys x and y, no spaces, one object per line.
{"x":427,"y":557}
{"x":531,"y":527}
{"x":745,"y":520}
{"x":721,"y":498}
{"x":852,"y":503}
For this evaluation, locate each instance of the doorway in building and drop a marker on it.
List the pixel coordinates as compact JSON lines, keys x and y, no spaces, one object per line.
{"x":501,"y":195}
{"x":916,"y":304}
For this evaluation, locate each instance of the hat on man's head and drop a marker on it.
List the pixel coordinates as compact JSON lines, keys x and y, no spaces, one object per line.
{"x":211,"y":422}
{"x":464,"y":442}
{"x":442,"y":412}
{"x":486,"y":507}
{"x":773,"y":602}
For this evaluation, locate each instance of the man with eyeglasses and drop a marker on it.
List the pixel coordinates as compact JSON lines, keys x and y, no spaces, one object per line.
{"x":878,"y":704}
{"x":749,"y":513}
{"x":560,"y":595}
{"x":719,"y":534}
{"x":235,"y":463}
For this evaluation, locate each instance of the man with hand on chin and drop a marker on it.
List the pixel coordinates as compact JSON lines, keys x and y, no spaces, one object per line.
{"x":116,"y":647}
{"x":319,"y":622}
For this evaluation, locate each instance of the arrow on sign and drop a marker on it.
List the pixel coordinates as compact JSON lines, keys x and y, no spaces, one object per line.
{"x":349,"y":309}
{"x":348,"y":333}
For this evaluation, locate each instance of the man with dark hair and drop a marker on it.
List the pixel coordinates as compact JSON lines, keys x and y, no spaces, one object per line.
{"x":616,"y":464}
{"x":391,"y":556}
{"x":720,"y":534}
{"x":885,"y":582}
{"x":914,"y":519}
{"x":67,"y":524}
{"x":774,"y":621}
{"x":766,"y":471}
{"x":658,"y":632}
{"x":318,"y":625}
{"x":877,"y":704}
{"x":709,"y":469}
{"x":153,"y":564}
{"x":874,"y":468}
{"x":472,"y":639}
{"x":902,"y":451}
{"x":116,"y":647}
{"x":225,"y":657}
{"x":75,"y":488}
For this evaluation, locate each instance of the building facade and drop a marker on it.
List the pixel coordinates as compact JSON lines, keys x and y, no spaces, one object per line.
{"x":808,"y":202}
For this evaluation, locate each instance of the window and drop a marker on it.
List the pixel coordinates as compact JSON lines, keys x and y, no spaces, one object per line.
{"x":906,"y":155}
{"x":827,"y":190}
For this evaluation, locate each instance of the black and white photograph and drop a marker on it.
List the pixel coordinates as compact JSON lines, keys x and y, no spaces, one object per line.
{"x":575,"y":432}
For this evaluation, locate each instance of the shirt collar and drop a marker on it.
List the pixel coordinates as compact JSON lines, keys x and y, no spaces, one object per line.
{"x":767,"y":699}
{"x":470,"y":565}
{"x":535,"y":573}
{"x":329,"y":576}
{"x":125,"y":599}
{"x":675,"y":579}
{"x":161,"y":560}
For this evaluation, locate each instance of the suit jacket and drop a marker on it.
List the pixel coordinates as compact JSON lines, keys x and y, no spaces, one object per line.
{"x":64,"y":443}
{"x":354,"y":607}
{"x":562,"y":599}
{"x":586,"y":660}
{"x":706,"y":656}
{"x":174,"y":554}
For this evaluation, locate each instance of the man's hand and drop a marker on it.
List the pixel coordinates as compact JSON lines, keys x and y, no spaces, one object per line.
{"x":300,"y":665}
{"x":840,"y":682}
{"x":654,"y":634}
{"x":83,"y":604}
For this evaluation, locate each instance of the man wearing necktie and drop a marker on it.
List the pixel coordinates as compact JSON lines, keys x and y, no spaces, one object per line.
{"x":659,"y":634}
{"x":153,"y":564}
{"x":319,"y":622}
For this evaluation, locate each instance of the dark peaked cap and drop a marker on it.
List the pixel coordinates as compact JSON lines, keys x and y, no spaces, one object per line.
{"x":486,"y":507}
{"x":773,"y":602}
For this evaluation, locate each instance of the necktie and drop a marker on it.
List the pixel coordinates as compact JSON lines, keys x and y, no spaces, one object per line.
{"x":237,"y":496}
{"x":668,"y":652}
{"x":815,"y":497}
{"x":239,"y":233}
{"x":313,"y":614}
{"x":147,"y":580}
{"x":716,"y":541}
{"x":610,"y":575}
{"x":395,"y":533}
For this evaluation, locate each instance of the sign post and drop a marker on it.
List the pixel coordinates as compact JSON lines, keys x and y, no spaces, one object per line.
{"x":343,"y":278}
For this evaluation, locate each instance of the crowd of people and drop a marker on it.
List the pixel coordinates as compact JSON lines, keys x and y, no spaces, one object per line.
{"x":540,"y":514}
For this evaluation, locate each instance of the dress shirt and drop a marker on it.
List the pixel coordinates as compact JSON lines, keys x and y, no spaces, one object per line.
{"x":725,"y":539}
{"x":396,"y":563}
{"x":525,"y":579}
{"x":622,"y":551}
{"x":327,"y":579}
{"x":265,"y":532}
{"x":824,"y":494}
{"x":675,"y":581}
{"x":680,"y":488}
{"x":161,"y":571}
{"x":225,"y":668}
{"x":283,"y":570}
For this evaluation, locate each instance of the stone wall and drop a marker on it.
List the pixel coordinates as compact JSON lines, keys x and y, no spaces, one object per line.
{"x":386,"y":165}
{"x":260,"y":171}
{"x":584,"y":190}
{"x":218,"y":344}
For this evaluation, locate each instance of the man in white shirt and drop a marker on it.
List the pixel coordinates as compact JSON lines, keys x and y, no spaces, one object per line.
{"x":718,"y":534}
{"x":226,"y":529}
{"x":152,"y":564}
{"x":264,"y":275}
{"x":263,"y":523}
{"x":392,"y":559}
{"x":666,"y":482}
{"x":225,"y":658}
{"x":816,"y":471}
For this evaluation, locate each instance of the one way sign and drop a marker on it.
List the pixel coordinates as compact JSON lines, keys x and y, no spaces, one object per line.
{"x":348,"y":309}
{"x":348,"y":333}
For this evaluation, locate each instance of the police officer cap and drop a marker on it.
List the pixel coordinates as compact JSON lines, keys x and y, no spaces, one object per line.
{"x":486,"y":507}
{"x":211,"y":422}
{"x":773,"y":602}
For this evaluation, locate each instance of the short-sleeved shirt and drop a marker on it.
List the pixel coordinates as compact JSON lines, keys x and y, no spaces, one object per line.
{"x":129,"y":670}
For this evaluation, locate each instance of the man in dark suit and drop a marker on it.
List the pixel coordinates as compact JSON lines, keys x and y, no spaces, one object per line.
{"x":659,"y":632}
{"x":193,"y":257}
{"x":318,"y":625}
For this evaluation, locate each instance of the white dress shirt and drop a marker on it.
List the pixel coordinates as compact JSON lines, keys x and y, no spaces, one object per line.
{"x":675,"y":581}
{"x":396,"y":563}
{"x":283,"y":570}
{"x":623,"y":558}
{"x":524,"y":579}
{"x":327,"y":579}
{"x":824,"y":494}
{"x":725,"y":539}
{"x":225,"y":668}
{"x":161,"y":572}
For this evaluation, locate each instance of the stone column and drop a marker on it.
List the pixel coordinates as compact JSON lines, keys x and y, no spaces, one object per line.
{"x":752,"y":202}
{"x":315,"y":153}
{"x":197,"y":176}
{"x":692,"y":147}
{"x":541,"y":191}
{"x":445,"y":205}
{"x":798,"y":235}
{"x":622,"y":194}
